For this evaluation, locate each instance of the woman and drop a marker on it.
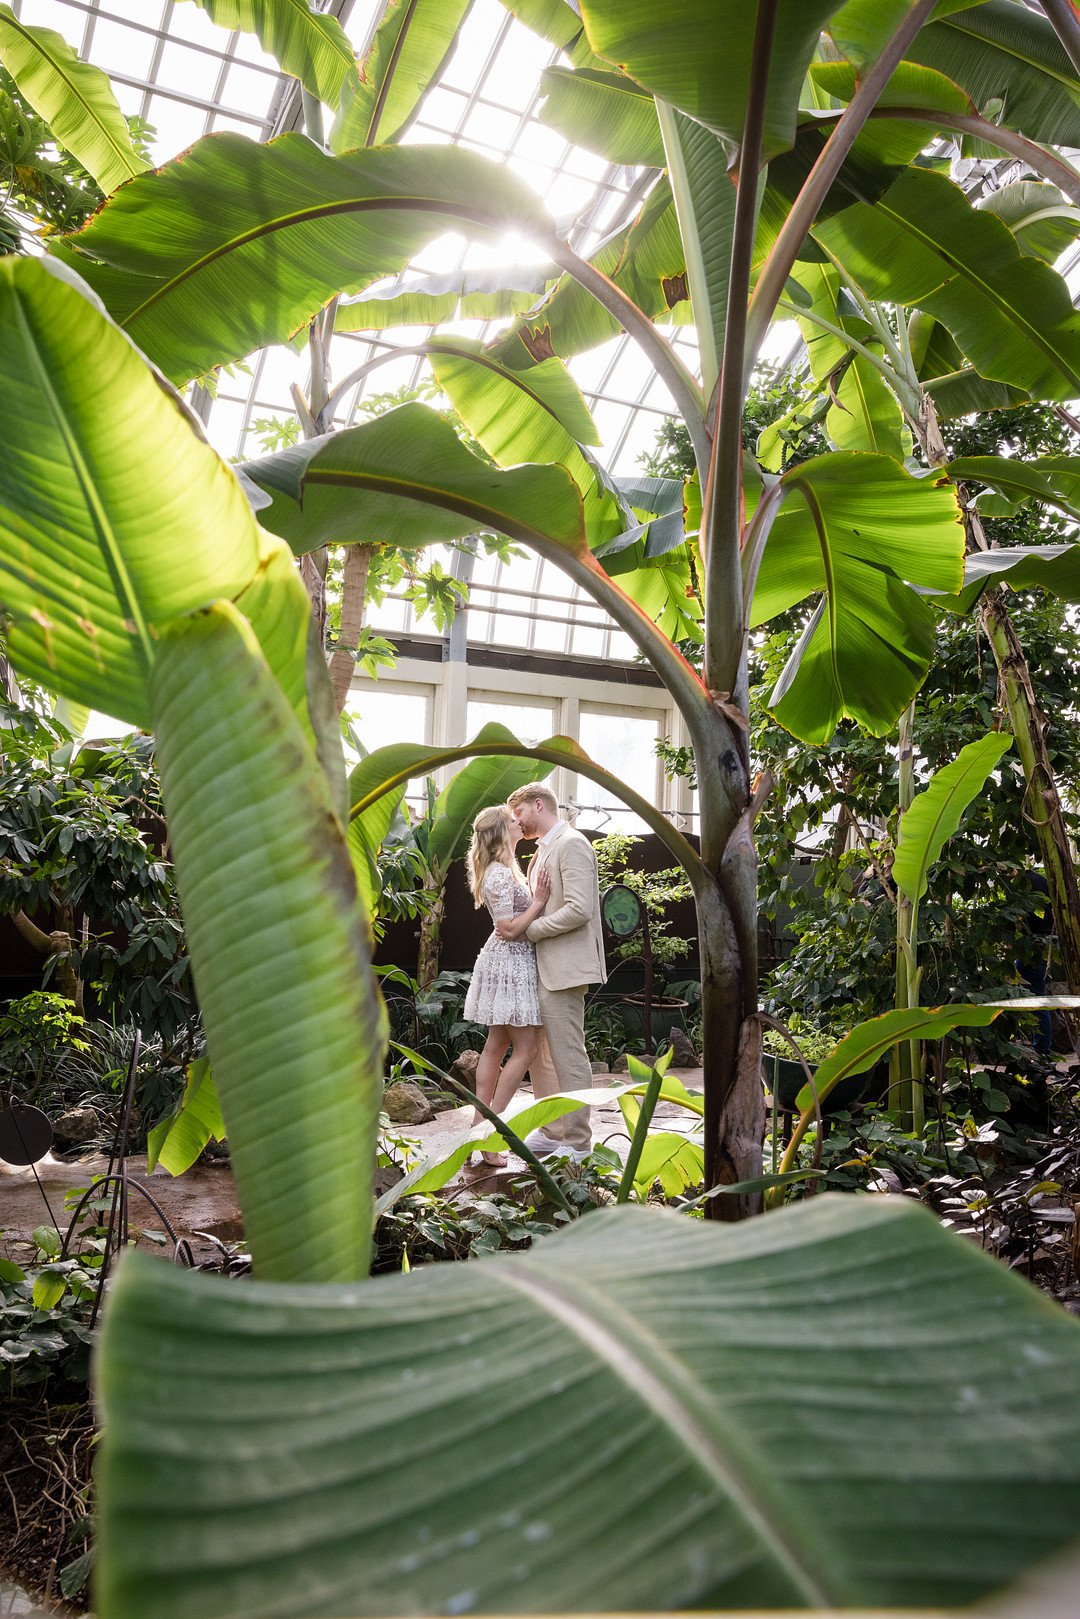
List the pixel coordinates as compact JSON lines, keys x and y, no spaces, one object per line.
{"x":503,"y":992}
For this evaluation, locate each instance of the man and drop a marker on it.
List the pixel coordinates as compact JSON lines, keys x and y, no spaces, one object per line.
{"x":569,"y":957}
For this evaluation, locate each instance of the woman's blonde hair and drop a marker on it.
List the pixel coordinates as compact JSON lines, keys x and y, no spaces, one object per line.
{"x":490,"y":846}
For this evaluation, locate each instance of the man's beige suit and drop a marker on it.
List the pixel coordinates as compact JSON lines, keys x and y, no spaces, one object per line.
{"x":569,"y":957}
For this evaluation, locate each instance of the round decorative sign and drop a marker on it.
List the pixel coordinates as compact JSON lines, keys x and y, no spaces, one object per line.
{"x":620,"y":908}
{"x":25,"y":1134}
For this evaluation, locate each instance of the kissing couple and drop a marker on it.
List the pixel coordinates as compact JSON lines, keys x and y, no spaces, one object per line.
{"x":531,"y":976}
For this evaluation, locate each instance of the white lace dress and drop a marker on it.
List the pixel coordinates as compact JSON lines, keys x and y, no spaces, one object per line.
{"x":503,"y":988}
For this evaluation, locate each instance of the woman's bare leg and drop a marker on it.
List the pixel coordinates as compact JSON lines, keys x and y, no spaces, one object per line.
{"x":524,"y":1043}
{"x":487,"y":1069}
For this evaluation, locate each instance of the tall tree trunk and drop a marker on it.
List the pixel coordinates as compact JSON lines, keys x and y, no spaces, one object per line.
{"x":427,"y":958}
{"x":905,"y":1064}
{"x":1029,"y":728}
{"x":1044,"y":810}
{"x":353,"y":592}
{"x":727,"y":933}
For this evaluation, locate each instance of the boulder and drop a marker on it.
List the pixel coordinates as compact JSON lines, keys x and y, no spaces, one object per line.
{"x":406,"y":1103}
{"x":442,"y":1101}
{"x":77,"y":1126}
{"x":463,"y":1068}
{"x":620,"y":1064}
{"x":600,"y":1067}
{"x":684,"y":1054}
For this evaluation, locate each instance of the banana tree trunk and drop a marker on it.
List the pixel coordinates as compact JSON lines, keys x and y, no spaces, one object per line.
{"x":905,"y":1064}
{"x":1044,"y":810}
{"x":727,"y":933}
{"x":1029,"y":728}
{"x":427,"y":960}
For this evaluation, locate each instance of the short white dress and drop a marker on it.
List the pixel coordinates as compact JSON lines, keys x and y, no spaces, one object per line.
{"x":503,"y":989}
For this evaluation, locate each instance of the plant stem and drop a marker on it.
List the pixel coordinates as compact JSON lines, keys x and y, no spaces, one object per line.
{"x":1066,"y":25}
{"x":830,"y":160}
{"x":1051,"y":165}
{"x":641,"y":1131}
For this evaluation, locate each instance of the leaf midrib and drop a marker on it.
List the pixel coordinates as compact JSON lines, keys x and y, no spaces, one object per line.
{"x":127,"y":155}
{"x":652,"y":1373}
{"x":966,"y":271}
{"x":304,"y":216}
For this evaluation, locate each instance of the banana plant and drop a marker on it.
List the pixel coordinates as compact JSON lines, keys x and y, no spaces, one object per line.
{"x":389,"y":1458}
{"x":765,"y":169}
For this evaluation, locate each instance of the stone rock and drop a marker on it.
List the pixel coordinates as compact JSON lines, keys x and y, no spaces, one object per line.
{"x":442,"y":1101}
{"x":600,"y":1068}
{"x":684,"y":1054}
{"x":387,"y":1175}
{"x":77,"y":1126}
{"x":620,"y":1064}
{"x":463,"y":1068}
{"x":406,"y":1103}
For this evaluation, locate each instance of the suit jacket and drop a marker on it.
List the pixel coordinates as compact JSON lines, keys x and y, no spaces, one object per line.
{"x":568,"y":937}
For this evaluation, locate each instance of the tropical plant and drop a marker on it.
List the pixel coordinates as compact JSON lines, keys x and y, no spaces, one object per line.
{"x":656,"y":890}
{"x":153,"y":593}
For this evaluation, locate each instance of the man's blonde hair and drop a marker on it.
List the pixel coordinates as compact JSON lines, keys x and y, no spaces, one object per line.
{"x":535,"y":789}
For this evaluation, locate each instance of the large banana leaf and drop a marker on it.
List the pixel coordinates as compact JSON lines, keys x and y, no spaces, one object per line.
{"x":860,"y":28}
{"x":1043,"y":223}
{"x":411,"y":44}
{"x":705,"y":205}
{"x":702,"y":65}
{"x":532,"y":416}
{"x":438,"y":300}
{"x":817,"y":1409}
{"x":1051,"y":479}
{"x":1050,"y":567}
{"x":387,"y":768}
{"x":114,"y":515}
{"x":236,"y":244}
{"x":1010,"y":61}
{"x":559,"y":22}
{"x":606,"y":112}
{"x":75,"y":99}
{"x":406,"y":479}
{"x":865,"y":414}
{"x":935,"y":813}
{"x":923,"y":243}
{"x":861,"y":530}
{"x":314,"y":48}
{"x":294,"y":1025}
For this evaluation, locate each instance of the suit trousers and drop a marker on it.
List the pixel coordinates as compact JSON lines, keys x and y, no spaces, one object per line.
{"x":561,"y":1063}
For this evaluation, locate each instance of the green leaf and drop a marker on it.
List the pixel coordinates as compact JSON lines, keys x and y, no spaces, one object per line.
{"x":705,"y":71}
{"x":46,"y":1238}
{"x":862,"y":531}
{"x":114,"y":515}
{"x":536,"y":415}
{"x":866,"y":414}
{"x":1051,"y":567}
{"x":10,"y":1272}
{"x":407,"y":55}
{"x":487,"y":780}
{"x":452,"y":295}
{"x":872,"y":1040}
{"x":406,"y":479}
{"x":923,"y":243}
{"x":75,"y":99}
{"x":176,"y":1142}
{"x":365,"y":837}
{"x":1043,"y":223}
{"x":294,"y":1025}
{"x":1001,"y":53}
{"x":49,"y":1288}
{"x":386,"y":768}
{"x":237,"y":244}
{"x":522,"y":1116}
{"x":1053,"y":480}
{"x":607,"y":113}
{"x":312,"y":48}
{"x":705,"y":204}
{"x":674,"y":1363}
{"x":936,"y":812}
